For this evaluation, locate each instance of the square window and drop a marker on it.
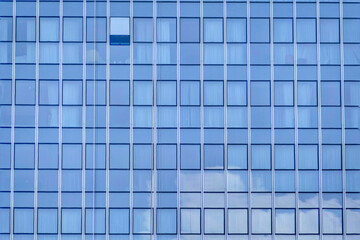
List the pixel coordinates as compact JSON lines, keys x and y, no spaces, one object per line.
{"x":6,"y":29}
{"x":190,"y":221}
{"x":72,"y":92}
{"x":284,"y":157}
{"x":283,"y":30}
{"x":119,"y":156}
{"x":166,"y":156}
{"x":285,"y":221}
{"x":71,"y":221}
{"x":261,"y":181}
{"x":213,"y":30}
{"x":49,"y":92}
{"x":143,"y":29}
{"x":143,"y":155}
{"x":166,"y":181}
{"x":330,"y":93}
{"x":166,"y":30}
{"x":49,"y":29}
{"x":119,"y":31}
{"x":309,"y":221}
{"x":143,"y":92}
{"x":72,"y":29}
{"x":119,"y":92}
{"x":261,"y":221}
{"x":95,"y":92}
{"x":95,"y":156}
{"x":95,"y":221}
{"x":261,"y":157}
{"x":236,"y":93}
{"x":24,"y":156}
{"x":166,"y":221}
{"x":308,"y":181}
{"x":143,"y":221}
{"x":332,"y":181}
{"x":351,"y":30}
{"x":213,"y":93}
{"x":237,"y":156}
{"x":189,"y":30}
{"x":236,"y":30}
{"x":237,"y":181}
{"x":260,"y":93}
{"x":237,"y":221}
{"x":25,"y":29}
{"x":329,"y":30}
{"x":166,"y":93}
{"x":306,"y":30}
{"x":259,"y":30}
{"x":189,"y":156}
{"x":25,"y":92}
{"x":214,"y":221}
{"x":308,"y":157}
{"x":95,"y":29}
{"x":47,"y":221}
{"x":190,"y":93}
{"x":214,"y":156}
{"x":284,"y":93}
{"x":119,"y":221}
{"x":307,"y":93}
{"x":23,"y":220}
{"x":71,"y":156}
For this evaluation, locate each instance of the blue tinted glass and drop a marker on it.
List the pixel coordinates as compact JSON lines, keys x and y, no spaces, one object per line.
{"x":95,"y":221}
{"x":5,"y":220}
{"x":351,"y":30}
{"x":190,"y":116}
{"x":71,"y":156}
{"x":285,"y":181}
{"x":166,"y":30}
{"x":214,"y":156}
{"x":166,"y":93}
{"x":143,"y":157}
{"x":95,"y":156}
{"x":190,"y":156}
{"x":190,"y":93}
{"x":237,"y":156}
{"x":351,"y":93}
{"x":259,"y":30}
{"x":308,"y":181}
{"x":237,"y":221}
{"x":24,"y":156}
{"x":237,"y":181}
{"x":23,"y":220}
{"x":236,"y":54}
{"x":236,"y":30}
{"x":6,"y":29}
{"x":309,"y":221}
{"x":72,"y":29}
{"x":166,"y":221}
{"x":119,"y":221}
{"x":352,"y":181}
{"x":49,"y":53}
{"x":47,"y":220}
{"x":261,"y":181}
{"x":332,"y":223}
{"x":329,"y":30}
{"x":71,"y":221}
{"x":284,"y":157}
{"x":330,"y":93}
{"x":143,"y":30}
{"x":166,"y":181}
{"x":237,"y":93}
{"x":5,"y":155}
{"x":143,"y":93}
{"x":49,"y":29}
{"x":25,"y":29}
{"x":72,"y":92}
{"x":213,"y":93}
{"x":48,"y":92}
{"x":260,"y":93}
{"x":25,"y":92}
{"x":214,"y":221}
{"x":119,"y":93}
{"x":284,"y":93}
{"x":352,"y":152}
{"x":190,"y":221}
{"x":353,"y":220}
{"x":96,"y":29}
{"x":260,"y":156}
{"x":308,"y":157}
{"x":285,"y":221}
{"x":71,"y":180}
{"x":213,"y":30}
{"x":283,"y":30}
{"x":5,"y":89}
{"x":213,"y":54}
{"x":331,"y":156}
{"x":307,"y":93}
{"x":142,"y":219}
{"x":332,"y":181}
{"x":261,"y":221}
{"x":306,"y":30}
{"x":95,"y":92}
{"x":189,"y":30}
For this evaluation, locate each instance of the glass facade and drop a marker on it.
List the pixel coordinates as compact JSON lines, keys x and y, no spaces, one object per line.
{"x":187,"y":120}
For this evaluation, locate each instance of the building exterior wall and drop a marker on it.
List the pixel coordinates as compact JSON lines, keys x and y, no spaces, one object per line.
{"x":180,"y":120}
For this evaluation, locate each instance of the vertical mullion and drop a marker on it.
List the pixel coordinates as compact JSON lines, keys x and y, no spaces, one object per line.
{"x":107,"y":145}
{"x":249,"y":115}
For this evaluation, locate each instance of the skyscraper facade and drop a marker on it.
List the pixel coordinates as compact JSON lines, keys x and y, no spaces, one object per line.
{"x":180,"y":120}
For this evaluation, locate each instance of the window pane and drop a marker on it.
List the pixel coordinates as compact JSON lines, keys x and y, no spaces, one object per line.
{"x":352,"y":98}
{"x":95,"y":156}
{"x":95,"y":221}
{"x":71,"y":221}
{"x":166,"y":30}
{"x":214,"y":156}
{"x":330,"y":93}
{"x":25,"y":92}
{"x":72,"y":29}
{"x":5,"y":220}
{"x":332,"y":181}
{"x":351,"y":30}
{"x":329,"y":30}
{"x":190,"y":156}
{"x":238,"y":221}
{"x":284,"y":157}
{"x":71,"y":156}
{"x":47,"y":221}
{"x":308,"y":157}
{"x":308,"y":181}
{"x":309,"y":221}
{"x":284,"y":93}
{"x":283,"y":30}
{"x":237,"y":156}
{"x":214,"y":221}
{"x":25,"y":29}
{"x":260,"y":93}
{"x":72,"y":93}
{"x":166,"y":93}
{"x":261,"y":181}
{"x":166,"y":221}
{"x":213,"y":54}
{"x":259,"y":30}
{"x":190,"y":221}
{"x":5,"y":29}
{"x":237,"y":93}
{"x":307,"y":93}
{"x":166,"y":180}
{"x":260,"y":157}
{"x":48,"y":92}
{"x":119,"y":31}
{"x":142,"y":221}
{"x":5,"y":155}
{"x":23,"y":220}
{"x":189,"y":30}
{"x":95,"y":29}
{"x":119,"y":156}
{"x":49,"y":29}
{"x":285,"y":221}
{"x":166,"y":53}
{"x":5,"y":97}
{"x":213,"y":93}
{"x":96,"y":92}
{"x":237,"y":181}
{"x":352,"y":181}
{"x":213,"y":30}
{"x":331,"y":156}
{"x":143,"y":30}
{"x":190,"y":92}
{"x":49,"y":53}
{"x":24,"y":156}
{"x":236,"y":54}
{"x":261,"y":221}
{"x":236,"y":30}
{"x":353,"y":221}
{"x":166,"y":157}
{"x":119,"y":221}
{"x":285,"y":181}
{"x":352,"y":153}
{"x":143,"y":93}
{"x":143,"y":157}
{"x":306,"y":30}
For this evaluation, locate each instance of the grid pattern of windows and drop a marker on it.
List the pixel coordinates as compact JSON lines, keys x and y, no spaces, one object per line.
{"x":180,"y":120}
